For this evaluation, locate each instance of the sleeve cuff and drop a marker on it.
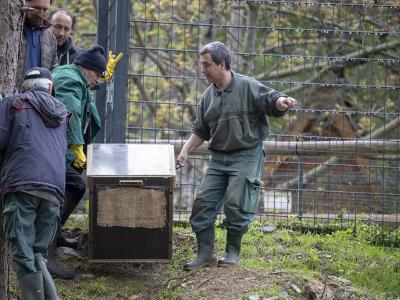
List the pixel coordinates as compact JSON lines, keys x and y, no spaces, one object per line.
{"x":276,"y":111}
{"x":201,"y":134}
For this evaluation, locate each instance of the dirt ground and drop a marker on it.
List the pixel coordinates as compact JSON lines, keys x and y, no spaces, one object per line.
{"x":211,"y":282}
{"x":167,"y":281}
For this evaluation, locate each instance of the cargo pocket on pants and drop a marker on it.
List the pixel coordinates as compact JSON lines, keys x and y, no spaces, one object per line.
{"x":251,"y":194}
{"x":9,"y":215}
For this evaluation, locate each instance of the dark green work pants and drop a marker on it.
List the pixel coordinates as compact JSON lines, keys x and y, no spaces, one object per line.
{"x":233,"y":181}
{"x":29,"y":227}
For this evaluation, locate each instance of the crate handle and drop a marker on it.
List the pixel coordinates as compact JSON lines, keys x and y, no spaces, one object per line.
{"x":131,"y":182}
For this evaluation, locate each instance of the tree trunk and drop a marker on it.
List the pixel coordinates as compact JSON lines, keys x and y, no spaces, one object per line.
{"x":252,"y":21}
{"x":10,"y":36}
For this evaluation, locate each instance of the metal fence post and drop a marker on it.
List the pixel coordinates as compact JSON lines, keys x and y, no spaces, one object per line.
{"x":102,"y":39}
{"x":118,"y":127}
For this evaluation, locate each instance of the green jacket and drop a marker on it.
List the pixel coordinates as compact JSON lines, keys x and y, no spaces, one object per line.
{"x":236,"y":118}
{"x":72,"y":88}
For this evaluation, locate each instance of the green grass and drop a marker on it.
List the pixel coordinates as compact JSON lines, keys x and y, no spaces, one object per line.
{"x":343,"y":252}
{"x":171,"y":294}
{"x":81,"y":219}
{"x":274,"y":290}
{"x":372,"y":269}
{"x":98,"y":287}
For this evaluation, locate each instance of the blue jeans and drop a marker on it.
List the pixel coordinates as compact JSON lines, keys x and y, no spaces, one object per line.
{"x":232,"y":180}
{"x":30,"y":223}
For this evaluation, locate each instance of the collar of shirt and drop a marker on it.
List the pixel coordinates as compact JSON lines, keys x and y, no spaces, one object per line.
{"x":229,"y":88}
{"x":34,"y":50}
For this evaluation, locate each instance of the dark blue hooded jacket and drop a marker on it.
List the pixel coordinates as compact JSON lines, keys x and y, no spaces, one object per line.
{"x":34,"y":143}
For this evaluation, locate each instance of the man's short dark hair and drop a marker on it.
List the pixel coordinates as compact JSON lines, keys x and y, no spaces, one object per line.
{"x":219,"y":53}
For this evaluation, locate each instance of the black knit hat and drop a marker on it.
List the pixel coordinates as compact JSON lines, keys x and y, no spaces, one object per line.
{"x":38,"y":73}
{"x":92,"y":59}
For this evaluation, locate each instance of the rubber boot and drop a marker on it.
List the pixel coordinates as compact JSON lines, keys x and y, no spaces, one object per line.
{"x":50,"y":291}
{"x":205,"y":250}
{"x":232,"y":250}
{"x":69,"y":243}
{"x":56,"y":269}
{"x":32,"y":286}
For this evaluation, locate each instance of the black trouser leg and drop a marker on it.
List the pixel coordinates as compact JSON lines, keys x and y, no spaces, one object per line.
{"x":68,"y":207}
{"x":74,"y":190}
{"x":75,"y":187}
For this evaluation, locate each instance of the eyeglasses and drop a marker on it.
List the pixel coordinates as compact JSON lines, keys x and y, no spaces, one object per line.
{"x":99,"y":75}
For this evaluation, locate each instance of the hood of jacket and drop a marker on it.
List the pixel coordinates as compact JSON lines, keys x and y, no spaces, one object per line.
{"x":66,"y":47}
{"x":52,"y":111}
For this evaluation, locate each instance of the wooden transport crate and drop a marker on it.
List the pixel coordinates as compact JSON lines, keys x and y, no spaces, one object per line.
{"x":130,"y":202}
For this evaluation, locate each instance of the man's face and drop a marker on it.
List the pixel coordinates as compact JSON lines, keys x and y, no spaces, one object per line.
{"x":94,"y":78}
{"x":210,"y":69}
{"x":61,"y":25}
{"x":38,"y":15}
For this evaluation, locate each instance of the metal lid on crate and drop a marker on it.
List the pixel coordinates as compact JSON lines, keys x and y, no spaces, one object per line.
{"x":131,"y":160}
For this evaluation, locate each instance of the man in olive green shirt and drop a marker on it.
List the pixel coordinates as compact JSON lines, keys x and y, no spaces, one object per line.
{"x":232,"y":116}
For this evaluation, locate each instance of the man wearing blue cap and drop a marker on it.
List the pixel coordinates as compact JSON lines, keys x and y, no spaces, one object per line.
{"x":32,"y":180}
{"x":74,"y":85}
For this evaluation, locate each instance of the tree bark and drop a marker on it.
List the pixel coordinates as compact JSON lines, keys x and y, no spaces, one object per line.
{"x":252,"y":20}
{"x":10,"y":36}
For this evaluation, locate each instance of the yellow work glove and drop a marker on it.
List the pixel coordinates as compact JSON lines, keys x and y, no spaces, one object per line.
{"x":80,"y":157}
{"x":111,"y":64}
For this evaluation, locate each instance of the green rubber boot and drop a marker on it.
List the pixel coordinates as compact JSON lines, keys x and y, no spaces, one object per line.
{"x":49,"y":286}
{"x":32,"y":286}
{"x":232,"y":250}
{"x":205,"y":250}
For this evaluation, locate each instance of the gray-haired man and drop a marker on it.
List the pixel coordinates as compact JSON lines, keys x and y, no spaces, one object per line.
{"x":33,"y":139}
{"x":232,"y":116}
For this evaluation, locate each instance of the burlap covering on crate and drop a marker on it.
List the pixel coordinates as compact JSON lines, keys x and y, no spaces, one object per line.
{"x":131,"y":207}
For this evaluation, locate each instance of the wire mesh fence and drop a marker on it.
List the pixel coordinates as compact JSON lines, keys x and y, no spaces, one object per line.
{"x":336,"y":155}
